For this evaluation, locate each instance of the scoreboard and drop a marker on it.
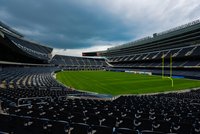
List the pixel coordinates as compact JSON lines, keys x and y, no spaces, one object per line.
{"x":91,"y":54}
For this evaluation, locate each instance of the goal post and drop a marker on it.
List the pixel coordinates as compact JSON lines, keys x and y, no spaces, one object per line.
{"x":163,"y":65}
{"x":171,"y":65}
{"x":170,"y":68}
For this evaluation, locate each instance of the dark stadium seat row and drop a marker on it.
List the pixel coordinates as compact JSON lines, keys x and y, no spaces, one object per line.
{"x":157,"y":113}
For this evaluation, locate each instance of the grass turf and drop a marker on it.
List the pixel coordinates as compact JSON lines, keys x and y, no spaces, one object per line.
{"x":116,"y":83}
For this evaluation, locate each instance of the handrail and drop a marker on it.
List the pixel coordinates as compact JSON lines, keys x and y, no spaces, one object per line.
{"x":18,"y":101}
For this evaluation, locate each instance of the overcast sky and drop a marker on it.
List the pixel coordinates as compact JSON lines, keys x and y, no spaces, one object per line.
{"x":74,"y":26}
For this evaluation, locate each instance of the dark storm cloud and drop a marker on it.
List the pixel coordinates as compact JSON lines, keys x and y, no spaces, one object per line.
{"x":63,"y":23}
{"x":77,"y":24}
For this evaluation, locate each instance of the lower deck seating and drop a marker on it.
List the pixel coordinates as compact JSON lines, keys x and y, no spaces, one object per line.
{"x":32,"y":101}
{"x":163,"y":113}
{"x":29,"y":77}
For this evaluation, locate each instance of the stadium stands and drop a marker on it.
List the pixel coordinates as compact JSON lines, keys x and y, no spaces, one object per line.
{"x":16,"y":48}
{"x":182,"y":45}
{"x":71,"y":62}
{"x":20,"y":77}
{"x":32,"y":101}
{"x":166,"y":113}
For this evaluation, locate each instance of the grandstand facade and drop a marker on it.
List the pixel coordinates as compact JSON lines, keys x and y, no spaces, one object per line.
{"x":181,"y":43}
{"x":32,"y":101}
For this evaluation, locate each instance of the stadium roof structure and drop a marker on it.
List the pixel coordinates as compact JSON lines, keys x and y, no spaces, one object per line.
{"x":165,"y":34}
{"x":184,"y":35}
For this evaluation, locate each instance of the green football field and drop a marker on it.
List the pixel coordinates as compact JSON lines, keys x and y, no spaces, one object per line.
{"x":116,"y":83}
